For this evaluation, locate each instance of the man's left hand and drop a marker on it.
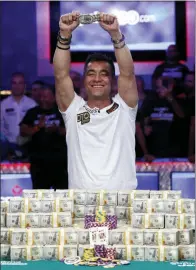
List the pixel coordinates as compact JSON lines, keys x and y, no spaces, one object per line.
{"x":109,"y":23}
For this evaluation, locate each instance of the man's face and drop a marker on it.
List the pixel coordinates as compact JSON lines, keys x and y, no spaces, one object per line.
{"x":98,"y":80}
{"x":18,"y":85}
{"x":172,"y":53}
{"x":36,"y":92}
{"x":189,"y":83}
{"x":47,"y":99}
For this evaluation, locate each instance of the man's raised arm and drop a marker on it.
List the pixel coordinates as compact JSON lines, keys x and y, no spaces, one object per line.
{"x":62,"y":59}
{"x":126,"y":81}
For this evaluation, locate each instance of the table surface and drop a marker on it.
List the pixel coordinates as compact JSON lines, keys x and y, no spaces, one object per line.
{"x":56,"y":265}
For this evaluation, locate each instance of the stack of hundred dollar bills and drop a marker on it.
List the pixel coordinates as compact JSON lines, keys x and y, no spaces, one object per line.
{"x":49,"y":225}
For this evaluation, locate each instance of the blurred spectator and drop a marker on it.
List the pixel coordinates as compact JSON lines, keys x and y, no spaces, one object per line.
{"x":13,"y":109}
{"x":47,"y":149}
{"x":76,"y":79}
{"x":159,"y":111}
{"x":186,"y":127}
{"x":36,"y":91}
{"x":171,"y":68}
{"x":141,"y":90}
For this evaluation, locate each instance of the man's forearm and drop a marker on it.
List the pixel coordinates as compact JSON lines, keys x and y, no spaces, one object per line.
{"x":62,"y":59}
{"x":123,"y":57}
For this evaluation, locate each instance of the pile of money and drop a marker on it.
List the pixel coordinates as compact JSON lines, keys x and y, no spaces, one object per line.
{"x":49,"y":225}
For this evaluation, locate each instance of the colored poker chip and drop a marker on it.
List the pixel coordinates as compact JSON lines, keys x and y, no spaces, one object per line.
{"x":124,"y":262}
{"x":87,"y":220}
{"x":109,"y":266}
{"x":99,"y":251}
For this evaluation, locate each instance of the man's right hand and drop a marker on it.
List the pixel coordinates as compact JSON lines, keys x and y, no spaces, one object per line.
{"x":68,"y":23}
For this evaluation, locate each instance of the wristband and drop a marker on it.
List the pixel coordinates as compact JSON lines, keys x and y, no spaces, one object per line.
{"x":117,"y":41}
{"x":63,"y":38}
{"x":65,"y":49}
{"x":120,"y":47}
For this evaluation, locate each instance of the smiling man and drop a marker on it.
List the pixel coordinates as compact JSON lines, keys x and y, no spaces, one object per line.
{"x":100,"y":131}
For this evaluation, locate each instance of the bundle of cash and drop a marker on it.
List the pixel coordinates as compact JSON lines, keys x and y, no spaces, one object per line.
{"x":51,"y":252}
{"x":152,"y":253}
{"x":15,"y":220}
{"x":64,"y":219}
{"x":137,"y":253}
{"x":118,"y":237}
{"x":171,"y":206}
{"x":79,"y":197}
{"x":83,"y":237}
{"x":48,"y":205}
{"x":154,"y":221}
{"x":90,"y":210}
{"x":19,"y":253}
{"x":169,"y":253}
{"x":156,"y":205}
{"x":32,"y":220}
{"x":64,"y":193}
{"x":37,"y":253}
{"x":172,"y":221}
{"x":172,"y":194}
{"x":46,"y":193}
{"x":17,"y":205}
{"x":36,"y":237}
{"x":123,"y":212}
{"x":150,"y":237}
{"x":138,"y":221}
{"x":140,"y":194}
{"x":53,"y":236}
{"x":30,"y":193}
{"x":186,"y":206}
{"x":5,"y":236}
{"x":64,"y":205}
{"x":168,"y":237}
{"x":70,"y":251}
{"x":34,"y":205}
{"x":92,"y":197}
{"x":189,"y":222}
{"x":79,"y":211}
{"x":4,"y":206}
{"x":139,"y":205}
{"x":185,"y":237}
{"x":5,"y":252}
{"x":3,"y":220}
{"x":187,"y":252}
{"x":123,"y":223}
{"x":124,"y":198}
{"x":110,"y":210}
{"x":19,"y":237}
{"x":123,"y":252}
{"x":107,"y":197}
{"x":135,"y":237}
{"x":78,"y":223}
{"x":156,"y":194}
{"x":70,"y":236}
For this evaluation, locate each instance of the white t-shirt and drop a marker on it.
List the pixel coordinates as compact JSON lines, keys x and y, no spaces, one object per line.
{"x":101,"y":145}
{"x":12,"y":113}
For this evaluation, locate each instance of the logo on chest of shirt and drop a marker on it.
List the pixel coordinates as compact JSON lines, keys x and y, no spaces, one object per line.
{"x":84,"y":118}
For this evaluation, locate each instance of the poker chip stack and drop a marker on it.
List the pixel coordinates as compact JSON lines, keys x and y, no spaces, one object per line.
{"x":143,"y":225}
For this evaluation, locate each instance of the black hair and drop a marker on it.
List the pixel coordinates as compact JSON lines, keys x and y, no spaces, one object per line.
{"x":49,"y":87}
{"x":98,"y":57}
{"x":41,"y":83}
{"x":15,"y":74}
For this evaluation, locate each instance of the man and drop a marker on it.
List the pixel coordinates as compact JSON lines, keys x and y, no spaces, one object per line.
{"x":13,"y":109}
{"x":171,"y":68}
{"x":101,"y":131}
{"x":47,"y":149}
{"x":159,"y":113}
{"x":36,"y":91}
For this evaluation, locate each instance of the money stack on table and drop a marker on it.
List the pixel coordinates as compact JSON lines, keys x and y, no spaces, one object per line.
{"x":151,"y":225}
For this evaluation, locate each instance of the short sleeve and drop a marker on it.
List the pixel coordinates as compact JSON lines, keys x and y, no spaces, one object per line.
{"x":76,"y":103}
{"x":28,"y":119}
{"x":132,"y":111}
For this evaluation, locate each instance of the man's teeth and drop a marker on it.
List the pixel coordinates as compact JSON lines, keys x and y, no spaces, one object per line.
{"x":97,"y":86}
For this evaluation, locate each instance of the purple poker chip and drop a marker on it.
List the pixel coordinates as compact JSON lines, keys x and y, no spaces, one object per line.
{"x":112,"y":219}
{"x":99,"y":251}
{"x":88,"y":219}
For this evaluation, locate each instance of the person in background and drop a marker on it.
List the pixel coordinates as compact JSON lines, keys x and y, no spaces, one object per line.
{"x":77,"y":79}
{"x":186,"y":127}
{"x":171,"y":68}
{"x":36,"y":90}
{"x":47,"y":149}
{"x":159,"y":113}
{"x":141,"y":90}
{"x":13,"y":109}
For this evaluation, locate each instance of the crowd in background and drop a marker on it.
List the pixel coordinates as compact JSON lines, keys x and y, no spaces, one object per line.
{"x":32,"y":127}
